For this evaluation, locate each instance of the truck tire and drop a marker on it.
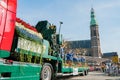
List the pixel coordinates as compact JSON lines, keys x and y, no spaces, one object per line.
{"x":83,"y":73}
{"x":47,"y":72}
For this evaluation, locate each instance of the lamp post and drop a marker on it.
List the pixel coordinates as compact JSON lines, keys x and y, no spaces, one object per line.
{"x":60,"y":26}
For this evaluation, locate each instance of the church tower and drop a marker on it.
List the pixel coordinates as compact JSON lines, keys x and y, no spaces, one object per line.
{"x":95,"y":40}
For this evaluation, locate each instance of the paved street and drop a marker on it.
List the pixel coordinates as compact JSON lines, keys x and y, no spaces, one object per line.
{"x":91,"y":76}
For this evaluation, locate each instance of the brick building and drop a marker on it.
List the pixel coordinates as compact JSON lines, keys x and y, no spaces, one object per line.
{"x":91,"y":47}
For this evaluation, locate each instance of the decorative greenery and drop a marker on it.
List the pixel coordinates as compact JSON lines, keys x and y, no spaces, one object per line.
{"x":28,"y":34}
{"x":21,"y":56}
{"x":29,"y":43}
{"x":42,"y":48}
{"x":29,"y":57}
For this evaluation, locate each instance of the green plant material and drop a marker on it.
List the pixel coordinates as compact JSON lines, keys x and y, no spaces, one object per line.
{"x":29,"y":57}
{"x":28,"y":34}
{"x":21,"y":56}
{"x":25,"y":57}
{"x":41,"y":53}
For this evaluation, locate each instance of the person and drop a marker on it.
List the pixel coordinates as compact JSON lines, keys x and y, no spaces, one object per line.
{"x":69,"y":57}
{"x":81,"y":59}
{"x":62,"y":51}
{"x":115,"y":69}
{"x":75,"y":58}
{"x":110,"y":69}
{"x":103,"y":67}
{"x":106,"y":68}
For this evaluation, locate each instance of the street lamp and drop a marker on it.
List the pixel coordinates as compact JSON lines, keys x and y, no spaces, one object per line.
{"x":60,"y":26}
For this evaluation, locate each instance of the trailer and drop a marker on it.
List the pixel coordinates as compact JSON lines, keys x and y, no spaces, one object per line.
{"x":28,"y":52}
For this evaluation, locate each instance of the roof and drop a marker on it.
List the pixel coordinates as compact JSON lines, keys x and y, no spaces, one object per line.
{"x":110,"y":54}
{"x":80,"y":44}
{"x":93,"y":20}
{"x":95,"y":59}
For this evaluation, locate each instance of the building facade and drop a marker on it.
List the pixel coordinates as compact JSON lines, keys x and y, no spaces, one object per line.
{"x":112,"y":56}
{"x":95,"y":39}
{"x":92,"y":46}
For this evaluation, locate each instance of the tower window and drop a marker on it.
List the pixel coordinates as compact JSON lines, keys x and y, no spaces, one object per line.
{"x":94,"y":32}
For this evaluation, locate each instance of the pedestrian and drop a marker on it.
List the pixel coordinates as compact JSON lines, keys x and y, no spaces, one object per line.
{"x":69,"y":57}
{"x":106,"y":68}
{"x":103,"y":67}
{"x":62,"y":51}
{"x":75,"y":58}
{"x":116,"y":70}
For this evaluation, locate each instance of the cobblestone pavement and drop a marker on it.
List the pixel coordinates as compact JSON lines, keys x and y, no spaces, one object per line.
{"x":91,"y":76}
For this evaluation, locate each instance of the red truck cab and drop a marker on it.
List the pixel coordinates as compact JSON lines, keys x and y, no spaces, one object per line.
{"x":7,"y":25}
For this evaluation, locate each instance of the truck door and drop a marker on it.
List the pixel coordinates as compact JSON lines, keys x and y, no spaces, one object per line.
{"x":7,"y":23}
{"x":3,"y":10}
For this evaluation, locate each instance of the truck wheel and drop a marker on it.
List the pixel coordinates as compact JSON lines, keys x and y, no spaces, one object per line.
{"x":47,"y":72}
{"x":83,"y":73}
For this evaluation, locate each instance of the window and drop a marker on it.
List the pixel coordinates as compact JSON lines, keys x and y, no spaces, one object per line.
{"x":94,"y":33}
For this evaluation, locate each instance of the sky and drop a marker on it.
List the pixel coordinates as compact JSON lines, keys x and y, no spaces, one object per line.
{"x":75,"y":15}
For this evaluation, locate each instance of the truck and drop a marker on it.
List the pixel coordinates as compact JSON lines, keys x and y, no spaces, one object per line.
{"x":31,"y":52}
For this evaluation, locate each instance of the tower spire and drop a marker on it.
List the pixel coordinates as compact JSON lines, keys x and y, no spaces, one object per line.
{"x":93,"y":20}
{"x":95,"y":40}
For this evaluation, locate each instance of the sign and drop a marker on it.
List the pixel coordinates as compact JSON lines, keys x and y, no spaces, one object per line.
{"x":115,"y":59}
{"x":75,"y":71}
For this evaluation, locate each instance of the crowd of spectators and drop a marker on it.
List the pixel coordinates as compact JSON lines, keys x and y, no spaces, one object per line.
{"x":112,"y":69}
